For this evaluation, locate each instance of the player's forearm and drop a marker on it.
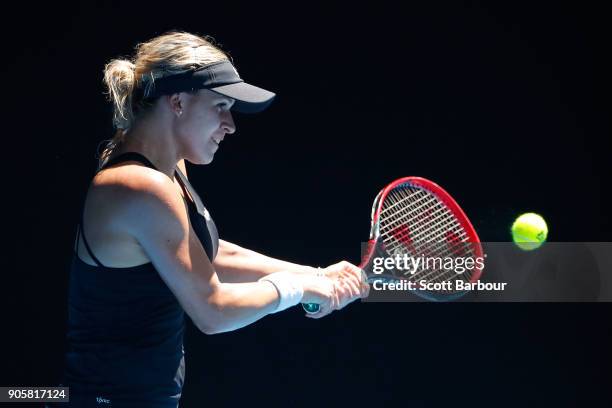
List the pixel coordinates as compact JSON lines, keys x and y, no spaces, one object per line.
{"x":236,"y":264}
{"x":235,"y":305}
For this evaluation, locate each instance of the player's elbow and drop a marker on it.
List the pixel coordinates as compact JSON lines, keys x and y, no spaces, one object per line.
{"x":210,"y":325}
{"x":209,"y":329}
{"x":214,"y":319}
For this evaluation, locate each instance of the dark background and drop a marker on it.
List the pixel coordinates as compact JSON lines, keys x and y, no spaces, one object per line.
{"x":506,"y":107}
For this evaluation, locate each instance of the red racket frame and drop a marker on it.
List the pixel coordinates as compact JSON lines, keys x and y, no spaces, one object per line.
{"x":444,"y":197}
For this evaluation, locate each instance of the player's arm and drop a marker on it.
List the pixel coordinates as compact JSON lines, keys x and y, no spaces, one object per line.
{"x":152,"y":211}
{"x":234,"y":263}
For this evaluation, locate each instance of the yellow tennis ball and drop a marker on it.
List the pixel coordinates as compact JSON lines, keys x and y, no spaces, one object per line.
{"x":529,"y":231}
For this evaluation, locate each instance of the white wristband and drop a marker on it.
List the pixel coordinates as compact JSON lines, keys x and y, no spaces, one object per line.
{"x":290,"y":290}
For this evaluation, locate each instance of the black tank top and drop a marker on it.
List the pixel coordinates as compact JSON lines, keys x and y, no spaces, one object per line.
{"x":125,"y":326}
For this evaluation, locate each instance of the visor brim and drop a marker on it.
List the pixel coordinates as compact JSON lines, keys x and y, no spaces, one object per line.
{"x":248,"y":98}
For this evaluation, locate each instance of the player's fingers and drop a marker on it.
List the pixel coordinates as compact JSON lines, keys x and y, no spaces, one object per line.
{"x":353,"y":292}
{"x":365,"y":290}
{"x":344,"y":296}
{"x":347,"y":273}
{"x":337,"y":297}
{"x":352,"y":288}
{"x":358,"y":285}
{"x":348,"y":268}
{"x":364,"y":284}
{"x":357,"y":275}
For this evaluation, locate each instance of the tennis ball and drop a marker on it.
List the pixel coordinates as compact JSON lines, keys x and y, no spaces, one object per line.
{"x":529,"y":231}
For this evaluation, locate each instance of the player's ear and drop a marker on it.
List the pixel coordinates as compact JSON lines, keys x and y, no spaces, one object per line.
{"x":176,"y":103}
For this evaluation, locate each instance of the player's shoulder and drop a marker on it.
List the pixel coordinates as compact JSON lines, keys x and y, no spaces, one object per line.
{"x":131,"y":187}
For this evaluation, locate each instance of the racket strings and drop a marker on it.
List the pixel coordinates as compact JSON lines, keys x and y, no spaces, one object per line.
{"x":422,"y":227}
{"x":447,"y":226}
{"x":417,"y":216}
{"x":398,"y":244}
{"x":419,"y":209}
{"x":440,"y":272}
{"x":430,"y":223}
{"x":420,"y":218}
{"x":407,"y":209}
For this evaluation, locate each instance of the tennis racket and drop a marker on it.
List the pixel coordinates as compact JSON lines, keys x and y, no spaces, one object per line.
{"x":414,"y":217}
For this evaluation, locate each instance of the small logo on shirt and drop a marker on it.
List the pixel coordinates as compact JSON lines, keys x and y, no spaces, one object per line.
{"x":101,"y":400}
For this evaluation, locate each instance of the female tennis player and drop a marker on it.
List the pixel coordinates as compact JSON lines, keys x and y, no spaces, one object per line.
{"x":147,"y":250}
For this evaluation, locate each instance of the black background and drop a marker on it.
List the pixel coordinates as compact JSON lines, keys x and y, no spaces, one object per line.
{"x":505,"y":106}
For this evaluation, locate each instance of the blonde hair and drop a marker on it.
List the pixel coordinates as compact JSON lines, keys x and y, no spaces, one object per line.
{"x":170,"y":53}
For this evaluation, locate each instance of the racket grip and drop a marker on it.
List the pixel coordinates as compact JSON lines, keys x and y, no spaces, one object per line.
{"x":311,"y":307}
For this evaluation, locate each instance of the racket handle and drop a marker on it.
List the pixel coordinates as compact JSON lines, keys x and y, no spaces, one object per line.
{"x":311,"y":307}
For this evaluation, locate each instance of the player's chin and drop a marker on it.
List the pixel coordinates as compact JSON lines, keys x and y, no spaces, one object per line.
{"x":209,"y":159}
{"x":205,"y":158}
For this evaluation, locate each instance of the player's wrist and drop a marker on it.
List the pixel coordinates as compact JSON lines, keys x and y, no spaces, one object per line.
{"x":289,"y":287}
{"x":309,"y":270}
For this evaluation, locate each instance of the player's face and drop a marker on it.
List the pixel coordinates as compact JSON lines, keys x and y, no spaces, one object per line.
{"x":205,"y":121}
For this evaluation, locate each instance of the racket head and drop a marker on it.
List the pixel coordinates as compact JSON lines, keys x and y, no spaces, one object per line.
{"x":414,"y":216}
{"x":461,"y":232}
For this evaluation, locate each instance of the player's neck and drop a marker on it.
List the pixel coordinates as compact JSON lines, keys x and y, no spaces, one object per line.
{"x":153,"y":142}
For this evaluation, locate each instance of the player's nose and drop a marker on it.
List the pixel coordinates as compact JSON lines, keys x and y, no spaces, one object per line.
{"x":227,"y":122}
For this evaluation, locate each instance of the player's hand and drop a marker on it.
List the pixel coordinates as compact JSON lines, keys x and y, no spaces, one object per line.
{"x":320,"y":290}
{"x":349,"y":284}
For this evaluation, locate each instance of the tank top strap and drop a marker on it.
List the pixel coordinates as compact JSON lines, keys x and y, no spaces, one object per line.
{"x":89,"y":251}
{"x":123,"y":157}
{"x":203,"y":224}
{"x":188,"y":189}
